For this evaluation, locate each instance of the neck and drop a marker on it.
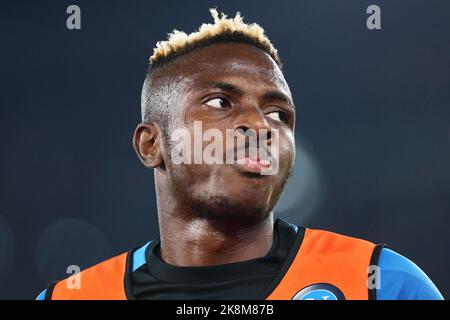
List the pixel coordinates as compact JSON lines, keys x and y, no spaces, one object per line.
{"x":190,"y":240}
{"x":200,"y":242}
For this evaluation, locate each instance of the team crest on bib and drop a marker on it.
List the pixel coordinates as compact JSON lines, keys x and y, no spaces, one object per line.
{"x":319,"y":291}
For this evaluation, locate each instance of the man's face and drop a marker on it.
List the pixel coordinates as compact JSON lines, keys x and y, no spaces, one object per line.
{"x":231,"y":86}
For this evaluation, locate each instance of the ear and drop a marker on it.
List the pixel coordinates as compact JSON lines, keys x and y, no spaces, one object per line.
{"x":147,"y":144}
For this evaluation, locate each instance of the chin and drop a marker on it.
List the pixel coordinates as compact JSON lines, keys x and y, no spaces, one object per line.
{"x":227,"y":208}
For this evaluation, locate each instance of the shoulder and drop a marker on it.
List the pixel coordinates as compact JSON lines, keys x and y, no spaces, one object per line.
{"x":331,"y":242}
{"x":402,"y":279}
{"x":399,"y":277}
{"x":106,"y":276}
{"x":103,"y":280}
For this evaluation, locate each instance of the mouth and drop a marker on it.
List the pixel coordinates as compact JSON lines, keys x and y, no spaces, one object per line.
{"x":253,"y":165}
{"x":251,"y":162}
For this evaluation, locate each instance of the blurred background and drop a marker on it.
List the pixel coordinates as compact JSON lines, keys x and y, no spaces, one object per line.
{"x":373,"y":127}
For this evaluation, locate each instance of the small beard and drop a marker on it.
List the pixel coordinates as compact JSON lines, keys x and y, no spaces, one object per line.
{"x":222,"y":209}
{"x":218,"y":208}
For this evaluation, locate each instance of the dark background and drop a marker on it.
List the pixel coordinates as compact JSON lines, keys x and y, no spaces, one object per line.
{"x":373,"y":127}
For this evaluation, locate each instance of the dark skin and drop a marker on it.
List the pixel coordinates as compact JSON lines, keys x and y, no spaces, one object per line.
{"x":219,"y":213}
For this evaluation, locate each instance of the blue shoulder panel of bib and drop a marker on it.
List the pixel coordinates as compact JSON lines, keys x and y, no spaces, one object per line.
{"x":294,"y":227}
{"x":41,"y":295}
{"x":139,"y":258}
{"x":402,"y":279}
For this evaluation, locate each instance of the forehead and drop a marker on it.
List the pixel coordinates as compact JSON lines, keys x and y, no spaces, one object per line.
{"x":238,"y":61}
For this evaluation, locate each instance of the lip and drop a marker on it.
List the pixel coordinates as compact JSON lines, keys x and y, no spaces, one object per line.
{"x":250,"y":165}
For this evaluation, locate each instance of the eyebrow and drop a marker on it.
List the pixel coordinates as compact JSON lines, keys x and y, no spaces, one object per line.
{"x":269,"y":95}
{"x":278,"y":95}
{"x":225,"y":86}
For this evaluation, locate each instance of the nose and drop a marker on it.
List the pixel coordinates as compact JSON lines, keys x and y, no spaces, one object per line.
{"x":253,"y":121}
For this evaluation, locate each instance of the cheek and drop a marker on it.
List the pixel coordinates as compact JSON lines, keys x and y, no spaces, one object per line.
{"x":287,"y":150}
{"x":188,"y":174}
{"x":191,"y":178}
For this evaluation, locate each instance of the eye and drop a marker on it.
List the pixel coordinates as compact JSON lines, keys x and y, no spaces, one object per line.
{"x":218,"y":103}
{"x":278,"y":116}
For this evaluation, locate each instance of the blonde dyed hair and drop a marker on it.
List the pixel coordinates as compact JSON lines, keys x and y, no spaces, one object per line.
{"x":223,"y":29}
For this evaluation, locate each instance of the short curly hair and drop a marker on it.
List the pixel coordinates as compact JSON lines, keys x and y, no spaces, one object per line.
{"x":223,"y":29}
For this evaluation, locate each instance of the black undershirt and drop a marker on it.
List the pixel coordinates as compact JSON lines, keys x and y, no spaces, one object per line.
{"x":241,"y":280}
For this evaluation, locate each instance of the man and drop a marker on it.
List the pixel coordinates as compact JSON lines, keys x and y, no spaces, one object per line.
{"x":218,"y":237}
